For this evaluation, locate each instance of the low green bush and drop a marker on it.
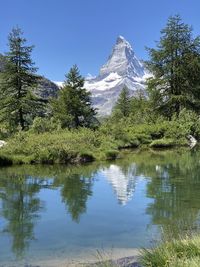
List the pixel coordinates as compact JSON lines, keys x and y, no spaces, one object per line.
{"x":164,"y":142}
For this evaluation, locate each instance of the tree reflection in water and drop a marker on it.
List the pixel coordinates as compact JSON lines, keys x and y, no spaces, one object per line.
{"x":172,"y":184}
{"x":76,"y":186}
{"x":21,"y":205}
{"x":20,"y":208}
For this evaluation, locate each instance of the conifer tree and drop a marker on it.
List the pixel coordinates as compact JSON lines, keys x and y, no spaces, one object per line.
{"x":175,"y":64}
{"x":122,"y":106}
{"x":18,"y":105}
{"x":73,"y":106}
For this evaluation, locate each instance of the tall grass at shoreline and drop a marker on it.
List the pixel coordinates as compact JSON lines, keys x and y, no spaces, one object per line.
{"x":182,"y":252}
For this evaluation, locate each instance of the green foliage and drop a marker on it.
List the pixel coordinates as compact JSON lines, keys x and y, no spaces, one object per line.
{"x":46,"y":142}
{"x":183,"y":252}
{"x":140,"y":109}
{"x":42,"y":125}
{"x":73,"y":106}
{"x":111,"y":154}
{"x":175,"y":65}
{"x":122,"y":106}
{"x":63,"y":146}
{"x":4,"y":130}
{"x":18,"y":103}
{"x":164,"y":142}
{"x":137,"y":109}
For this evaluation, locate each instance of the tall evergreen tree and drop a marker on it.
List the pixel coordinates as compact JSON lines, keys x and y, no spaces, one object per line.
{"x":123,"y":104}
{"x":73,"y":106}
{"x":18,"y":105}
{"x":175,"y":64}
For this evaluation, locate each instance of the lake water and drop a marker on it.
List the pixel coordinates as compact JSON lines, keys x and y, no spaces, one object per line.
{"x":49,"y":213}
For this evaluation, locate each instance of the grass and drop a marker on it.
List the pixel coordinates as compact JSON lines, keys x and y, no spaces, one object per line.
{"x":182,"y":252}
{"x":103,"y":260}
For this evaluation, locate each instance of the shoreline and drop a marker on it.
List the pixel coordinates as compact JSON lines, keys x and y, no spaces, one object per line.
{"x":7,"y":160}
{"x":120,"y":257}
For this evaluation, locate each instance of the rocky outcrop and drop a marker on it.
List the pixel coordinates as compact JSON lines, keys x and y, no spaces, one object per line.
{"x":2,"y":143}
{"x":46,"y":88}
{"x":192,"y":141}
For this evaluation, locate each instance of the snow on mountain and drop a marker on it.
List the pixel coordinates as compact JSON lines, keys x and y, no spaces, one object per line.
{"x":123,"y":68}
{"x":123,"y":61}
{"x":59,"y":84}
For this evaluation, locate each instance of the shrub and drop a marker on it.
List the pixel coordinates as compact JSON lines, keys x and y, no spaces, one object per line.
{"x":42,"y":125}
{"x":164,"y":142}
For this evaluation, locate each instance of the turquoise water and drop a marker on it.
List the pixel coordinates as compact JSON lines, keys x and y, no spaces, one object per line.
{"x":65,"y":211}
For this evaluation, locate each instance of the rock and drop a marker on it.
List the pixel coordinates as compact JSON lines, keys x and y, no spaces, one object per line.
{"x":192,"y":141}
{"x":2,"y":143}
{"x":122,"y":262}
{"x":127,"y":262}
{"x":46,"y":88}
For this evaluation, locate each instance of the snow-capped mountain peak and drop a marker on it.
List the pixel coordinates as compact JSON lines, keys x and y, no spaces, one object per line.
{"x":122,"y":60}
{"x":122,"y":68}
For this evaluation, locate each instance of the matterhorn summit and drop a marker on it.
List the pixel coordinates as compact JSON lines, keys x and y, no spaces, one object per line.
{"x":123,"y":68}
{"x":123,"y":61}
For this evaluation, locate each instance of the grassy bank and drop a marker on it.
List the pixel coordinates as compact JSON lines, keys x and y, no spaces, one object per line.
{"x":83,"y":145}
{"x":184,"y":252}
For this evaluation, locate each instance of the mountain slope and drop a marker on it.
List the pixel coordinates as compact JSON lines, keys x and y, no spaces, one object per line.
{"x":45,"y":88}
{"x":123,"y":68}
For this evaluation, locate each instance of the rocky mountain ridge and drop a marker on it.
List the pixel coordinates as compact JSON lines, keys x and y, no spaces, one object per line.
{"x":122,"y":68}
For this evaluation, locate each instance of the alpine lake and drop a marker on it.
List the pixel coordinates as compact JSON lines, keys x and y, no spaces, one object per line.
{"x":56,"y":214}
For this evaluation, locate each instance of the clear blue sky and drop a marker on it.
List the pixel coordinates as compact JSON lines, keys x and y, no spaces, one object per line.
{"x":82,"y":32}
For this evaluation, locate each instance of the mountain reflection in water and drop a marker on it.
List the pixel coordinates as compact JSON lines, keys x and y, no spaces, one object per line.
{"x":72,"y":208}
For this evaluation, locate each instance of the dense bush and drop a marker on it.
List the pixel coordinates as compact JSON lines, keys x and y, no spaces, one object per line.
{"x":42,"y":125}
{"x":46,"y":142}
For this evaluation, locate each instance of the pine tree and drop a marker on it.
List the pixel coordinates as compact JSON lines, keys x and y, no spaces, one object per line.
{"x":18,"y":105}
{"x":122,"y":106}
{"x":73,"y":106}
{"x":175,"y":64}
